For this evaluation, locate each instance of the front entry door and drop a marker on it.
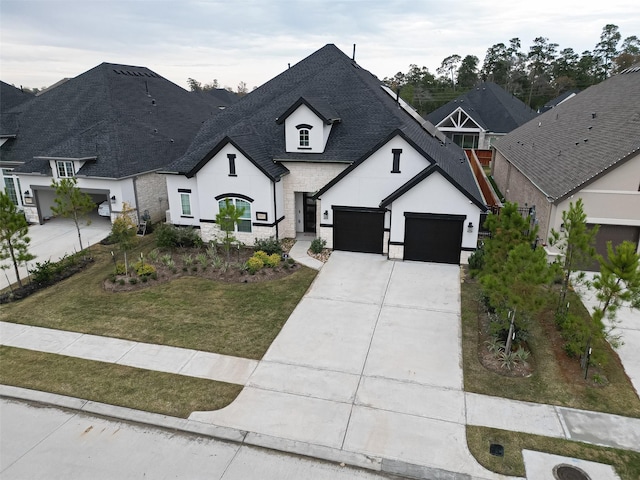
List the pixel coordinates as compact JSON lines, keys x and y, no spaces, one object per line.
{"x":309,"y":213}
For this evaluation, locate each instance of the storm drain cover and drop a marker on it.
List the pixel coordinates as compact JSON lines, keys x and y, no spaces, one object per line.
{"x":496,"y":450}
{"x":568,"y":472}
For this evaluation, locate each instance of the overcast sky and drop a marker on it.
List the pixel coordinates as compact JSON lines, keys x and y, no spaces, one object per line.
{"x":42,"y":41}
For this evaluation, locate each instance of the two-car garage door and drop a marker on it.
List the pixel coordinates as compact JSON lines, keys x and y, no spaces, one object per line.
{"x":428,"y":237}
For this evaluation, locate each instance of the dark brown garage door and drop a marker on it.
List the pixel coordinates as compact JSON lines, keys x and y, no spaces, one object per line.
{"x":433,"y":238}
{"x":616,"y":234}
{"x":358,"y":229}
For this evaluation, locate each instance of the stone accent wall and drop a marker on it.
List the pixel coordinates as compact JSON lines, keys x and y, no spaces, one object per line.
{"x":31,"y":214}
{"x":151,"y":189}
{"x":396,"y":252}
{"x":385,"y":242}
{"x":326,"y":233}
{"x":211,"y":231}
{"x":304,"y":177}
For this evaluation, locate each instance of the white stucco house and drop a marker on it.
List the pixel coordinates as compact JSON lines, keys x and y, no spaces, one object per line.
{"x":325,"y":148}
{"x":111,"y":128}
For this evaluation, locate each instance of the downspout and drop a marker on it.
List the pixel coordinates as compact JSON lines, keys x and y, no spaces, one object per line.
{"x":135,"y":197}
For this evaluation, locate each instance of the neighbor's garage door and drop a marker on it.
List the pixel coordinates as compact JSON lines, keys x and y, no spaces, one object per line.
{"x":433,"y":238}
{"x":358,"y":229}
{"x":616,"y":234}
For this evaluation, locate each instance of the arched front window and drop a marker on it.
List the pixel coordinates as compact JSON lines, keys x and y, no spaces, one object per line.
{"x":244,"y":222}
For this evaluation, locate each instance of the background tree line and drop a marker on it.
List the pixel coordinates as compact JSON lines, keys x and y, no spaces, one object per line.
{"x":535,"y":77}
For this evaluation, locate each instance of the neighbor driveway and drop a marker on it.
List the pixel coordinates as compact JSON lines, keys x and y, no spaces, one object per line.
{"x":55,"y":239}
{"x":369,"y":362}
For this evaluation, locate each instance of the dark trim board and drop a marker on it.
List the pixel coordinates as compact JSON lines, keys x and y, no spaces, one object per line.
{"x":233,"y":195}
{"x":435,"y":216}
{"x":396,"y":243}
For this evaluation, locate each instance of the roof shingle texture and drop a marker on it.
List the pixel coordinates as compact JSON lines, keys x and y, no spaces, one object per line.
{"x":493,"y":108}
{"x":579,"y":140}
{"x":130,"y":118}
{"x":367,"y":115}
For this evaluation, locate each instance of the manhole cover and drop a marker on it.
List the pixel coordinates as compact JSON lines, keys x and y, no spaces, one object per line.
{"x":496,"y":450}
{"x":568,"y":472}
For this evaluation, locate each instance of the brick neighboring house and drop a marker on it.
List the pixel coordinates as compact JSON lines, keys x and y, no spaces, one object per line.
{"x":111,"y":128}
{"x":325,"y":148}
{"x":588,"y":148}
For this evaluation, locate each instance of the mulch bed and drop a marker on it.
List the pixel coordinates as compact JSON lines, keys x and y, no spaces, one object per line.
{"x":31,"y":288}
{"x":234,"y":273}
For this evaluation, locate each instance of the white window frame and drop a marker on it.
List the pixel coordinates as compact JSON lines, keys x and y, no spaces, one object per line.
{"x":246,"y":215}
{"x":304,"y":137}
{"x":184,"y":213}
{"x":65,"y":169}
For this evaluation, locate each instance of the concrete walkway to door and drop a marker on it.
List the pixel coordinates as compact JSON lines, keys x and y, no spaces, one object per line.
{"x":368,"y":363}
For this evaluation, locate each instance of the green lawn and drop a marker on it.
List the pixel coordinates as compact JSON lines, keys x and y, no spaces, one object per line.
{"x":239,"y":319}
{"x":548,"y":384}
{"x":156,"y":392}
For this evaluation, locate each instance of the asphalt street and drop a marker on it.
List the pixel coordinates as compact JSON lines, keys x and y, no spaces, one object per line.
{"x":41,"y":442}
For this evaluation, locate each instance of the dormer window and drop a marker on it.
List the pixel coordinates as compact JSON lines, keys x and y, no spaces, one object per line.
{"x":65,"y":169}
{"x":303,"y":135}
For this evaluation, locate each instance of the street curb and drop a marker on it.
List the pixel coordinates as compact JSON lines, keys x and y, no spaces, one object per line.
{"x":251,"y":439}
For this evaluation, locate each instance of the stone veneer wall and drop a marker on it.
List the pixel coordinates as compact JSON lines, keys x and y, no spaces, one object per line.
{"x":211,"y":231}
{"x":396,"y":252}
{"x":151,"y":190}
{"x":304,"y":177}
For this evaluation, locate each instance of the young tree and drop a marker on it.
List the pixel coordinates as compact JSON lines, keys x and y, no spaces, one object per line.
{"x":71,"y":202}
{"x":14,"y":242}
{"x":576,"y":244}
{"x":124,"y":231}
{"x":607,"y":48}
{"x":618,"y":283}
{"x":227,"y":219}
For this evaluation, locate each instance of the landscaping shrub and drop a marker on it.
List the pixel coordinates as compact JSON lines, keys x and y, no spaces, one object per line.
{"x":317,"y":245}
{"x":476,"y":261}
{"x":269,"y":245}
{"x":254,"y":264}
{"x":273,"y":260}
{"x":170,"y":236}
{"x":143,"y":269}
{"x":262,"y":256}
{"x":120,"y":268}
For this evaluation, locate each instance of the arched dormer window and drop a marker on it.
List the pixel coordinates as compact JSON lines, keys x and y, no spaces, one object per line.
{"x":303,"y":135}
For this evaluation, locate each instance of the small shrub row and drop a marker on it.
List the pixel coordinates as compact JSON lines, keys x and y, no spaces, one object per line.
{"x":317,"y":245}
{"x":47,"y":271}
{"x":261,"y":259}
{"x":269,"y":245}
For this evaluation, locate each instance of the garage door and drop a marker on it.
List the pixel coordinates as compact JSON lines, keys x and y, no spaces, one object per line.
{"x":616,"y":234}
{"x":358,"y":229}
{"x":433,"y":238}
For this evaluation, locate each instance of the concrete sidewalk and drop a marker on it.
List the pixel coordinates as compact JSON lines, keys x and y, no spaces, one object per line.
{"x":366,"y":371}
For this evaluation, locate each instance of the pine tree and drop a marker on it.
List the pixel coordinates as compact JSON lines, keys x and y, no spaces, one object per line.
{"x":14,"y":241}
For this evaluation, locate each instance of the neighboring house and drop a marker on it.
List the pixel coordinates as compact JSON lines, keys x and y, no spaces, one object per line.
{"x":558,"y":100}
{"x":588,"y":148}
{"x":480,"y":116}
{"x":111,"y":128}
{"x":325,"y":148}
{"x":10,"y":100}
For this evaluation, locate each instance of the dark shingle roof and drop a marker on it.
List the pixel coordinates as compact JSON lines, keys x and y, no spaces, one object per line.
{"x":11,"y":97}
{"x":218,"y":97}
{"x":579,"y":140}
{"x":554,"y":102}
{"x":130,"y":118}
{"x":337,"y":87}
{"x":490,"y":106}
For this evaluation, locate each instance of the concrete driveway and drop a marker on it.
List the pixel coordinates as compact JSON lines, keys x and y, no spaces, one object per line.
{"x":55,"y":239}
{"x":370,"y":363}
